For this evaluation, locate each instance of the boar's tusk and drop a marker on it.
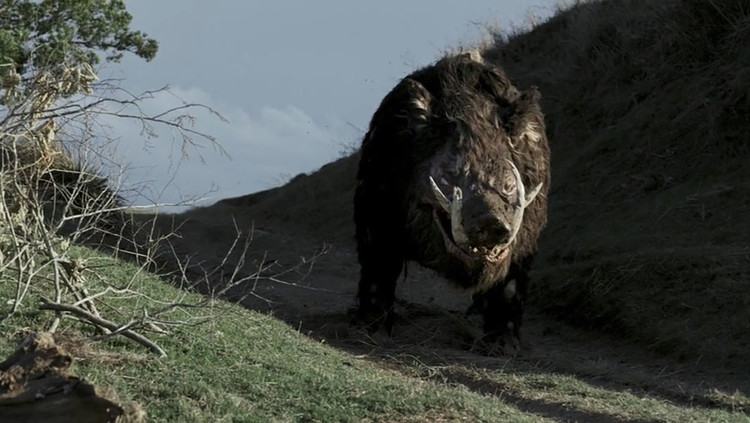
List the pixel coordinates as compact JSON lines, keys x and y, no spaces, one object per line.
{"x":522,"y":202}
{"x":453,"y":208}
{"x":515,"y":225}
{"x":442,"y":199}
{"x":532,"y":195}
{"x":457,"y":228}
{"x":521,"y":190}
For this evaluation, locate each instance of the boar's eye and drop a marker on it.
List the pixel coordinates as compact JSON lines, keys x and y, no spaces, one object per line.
{"x":509,"y":184}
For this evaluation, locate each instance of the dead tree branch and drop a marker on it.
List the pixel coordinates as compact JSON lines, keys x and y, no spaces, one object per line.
{"x":48,"y":304}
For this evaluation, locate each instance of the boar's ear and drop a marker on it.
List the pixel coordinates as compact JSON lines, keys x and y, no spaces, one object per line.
{"x":417,"y":104}
{"x":406,"y":107}
{"x":527,"y":122}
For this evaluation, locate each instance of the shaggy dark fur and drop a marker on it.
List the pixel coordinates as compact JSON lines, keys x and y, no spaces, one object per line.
{"x":458,"y":121}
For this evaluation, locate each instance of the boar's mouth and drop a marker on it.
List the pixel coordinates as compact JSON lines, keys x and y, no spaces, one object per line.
{"x":454,"y":235}
{"x":472,"y":255}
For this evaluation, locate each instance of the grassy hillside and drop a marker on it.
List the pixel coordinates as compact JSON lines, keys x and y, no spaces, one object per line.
{"x":647,"y":110}
{"x":225,"y":363}
{"x":323,"y":198}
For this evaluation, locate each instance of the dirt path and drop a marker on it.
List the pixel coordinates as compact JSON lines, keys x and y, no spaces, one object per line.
{"x":311,"y":285}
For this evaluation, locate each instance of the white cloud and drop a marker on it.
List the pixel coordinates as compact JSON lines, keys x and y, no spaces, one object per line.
{"x":263,"y":145}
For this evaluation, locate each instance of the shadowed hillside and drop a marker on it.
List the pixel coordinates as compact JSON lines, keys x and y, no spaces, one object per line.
{"x":648,"y":112}
{"x":319,"y":204}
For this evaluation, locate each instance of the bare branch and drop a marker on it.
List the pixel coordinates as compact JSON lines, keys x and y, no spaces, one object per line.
{"x":48,"y":304}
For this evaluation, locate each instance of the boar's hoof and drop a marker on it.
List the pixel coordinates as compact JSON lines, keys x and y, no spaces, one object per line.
{"x":374,"y":318}
{"x":497,"y":345}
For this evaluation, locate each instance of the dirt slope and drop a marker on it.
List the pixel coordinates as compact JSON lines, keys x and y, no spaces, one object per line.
{"x":647,"y":252}
{"x":36,"y":385}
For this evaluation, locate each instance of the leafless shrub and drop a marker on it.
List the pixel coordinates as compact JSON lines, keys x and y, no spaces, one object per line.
{"x":54,"y":195}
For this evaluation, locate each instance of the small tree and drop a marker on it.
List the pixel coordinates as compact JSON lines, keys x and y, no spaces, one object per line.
{"x":52,"y":34}
{"x":48,"y":52}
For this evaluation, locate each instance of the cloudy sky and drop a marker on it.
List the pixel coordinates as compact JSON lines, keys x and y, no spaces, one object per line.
{"x":296,"y":80}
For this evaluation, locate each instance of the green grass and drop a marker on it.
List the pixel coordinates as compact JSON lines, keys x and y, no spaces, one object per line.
{"x":227,"y":363}
{"x":588,"y":399}
{"x":232,"y":364}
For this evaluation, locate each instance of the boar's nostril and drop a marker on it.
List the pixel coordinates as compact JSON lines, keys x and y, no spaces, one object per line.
{"x":498,"y":235}
{"x":490,"y":231}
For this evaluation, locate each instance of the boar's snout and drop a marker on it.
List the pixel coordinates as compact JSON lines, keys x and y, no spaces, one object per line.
{"x":488,"y":231}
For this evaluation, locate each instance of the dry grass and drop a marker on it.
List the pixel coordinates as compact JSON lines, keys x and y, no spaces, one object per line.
{"x":647,"y":107}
